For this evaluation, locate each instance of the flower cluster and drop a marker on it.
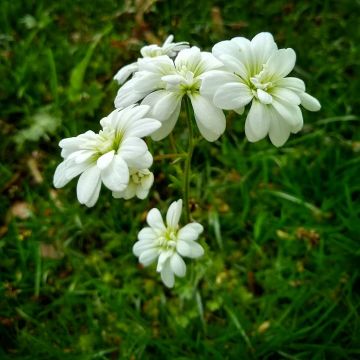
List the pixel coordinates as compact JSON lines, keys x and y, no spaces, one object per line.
{"x":116,"y":156}
{"x":256,"y":72}
{"x":162,"y":83}
{"x":168,"y":243}
{"x":168,"y":48}
{"x":237,"y":73}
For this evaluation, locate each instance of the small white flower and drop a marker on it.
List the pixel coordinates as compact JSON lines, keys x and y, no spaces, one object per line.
{"x":107,"y":156}
{"x":139,"y":185}
{"x":167,"y":244}
{"x":168,"y":48}
{"x":256,"y":72}
{"x":162,"y":83}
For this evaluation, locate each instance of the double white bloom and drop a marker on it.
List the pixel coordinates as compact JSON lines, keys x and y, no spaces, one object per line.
{"x":114,"y":156}
{"x":255,"y":71}
{"x":168,"y":243}
{"x":168,"y":48}
{"x":139,"y":185}
{"x":162,"y":82}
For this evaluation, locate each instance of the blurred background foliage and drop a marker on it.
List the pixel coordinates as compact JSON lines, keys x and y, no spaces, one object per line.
{"x":280,"y":278}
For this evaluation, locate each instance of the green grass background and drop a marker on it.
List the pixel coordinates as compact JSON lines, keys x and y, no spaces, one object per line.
{"x":280,"y":278}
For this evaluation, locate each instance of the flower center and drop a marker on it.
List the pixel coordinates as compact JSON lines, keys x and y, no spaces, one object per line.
{"x":138,"y":176}
{"x":258,"y":83}
{"x":168,"y":239}
{"x":190,"y":82}
{"x":106,"y":140}
{"x":261,"y":86}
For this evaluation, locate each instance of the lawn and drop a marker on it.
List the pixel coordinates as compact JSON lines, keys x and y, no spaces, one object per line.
{"x":280,"y":274}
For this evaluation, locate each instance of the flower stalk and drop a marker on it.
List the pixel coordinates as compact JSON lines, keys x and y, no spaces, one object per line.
{"x":190,"y":150}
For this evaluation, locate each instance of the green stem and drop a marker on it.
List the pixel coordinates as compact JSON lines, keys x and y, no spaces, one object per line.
{"x":169,"y":156}
{"x":187,"y":168}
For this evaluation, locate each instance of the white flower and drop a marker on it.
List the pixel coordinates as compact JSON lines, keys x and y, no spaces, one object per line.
{"x":139,"y":185}
{"x":107,"y":156}
{"x":162,"y":83}
{"x":167,"y":244}
{"x":168,"y":48}
{"x":256,"y":72}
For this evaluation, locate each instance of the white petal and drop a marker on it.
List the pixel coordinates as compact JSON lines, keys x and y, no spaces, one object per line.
{"x":264,"y":97}
{"x":173,"y":79}
{"x":130,"y":121}
{"x":125,"y":119}
{"x":154,"y":219}
{"x":257,"y":122}
{"x":244,"y":52}
{"x":178,"y":265}
{"x":300,"y":121}
{"x":149,"y":51}
{"x":142,"y":193}
{"x":116,"y":176}
{"x":240,"y":111}
{"x":232,"y":96}
{"x":145,"y":81}
{"x":167,"y":276}
{"x":169,"y":40}
{"x":143,"y":127}
{"x":173,"y":214}
{"x":153,"y":98}
{"x":107,"y":121}
{"x":73,"y":169}
{"x":72,"y":143}
{"x":88,"y":185}
{"x":148,"y":256}
{"x":105,"y":160}
{"x":189,"y":58}
{"x":190,"y":232}
{"x":123,"y":74}
{"x":60,"y":179}
{"x":128,"y":193}
{"x":142,"y":162}
{"x":208,"y":62}
{"x":212,"y":80}
{"x":262,"y":46}
{"x":94,"y":198}
{"x":286,"y":95}
{"x":225,"y":47}
{"x":163,"y":104}
{"x":189,"y":249}
{"x":148,"y":181}
{"x":292,"y":83}
{"x":128,"y":96}
{"x":183,"y":247}
{"x":146,"y":234}
{"x":309,"y":102}
{"x":279,"y":130}
{"x":163,"y":258}
{"x":210,"y":120}
{"x":290,"y":113}
{"x":235,"y":65}
{"x":132,"y":148}
{"x":280,"y":63}
{"x":83,"y":156}
{"x":166,"y":105}
{"x":167,"y":125}
{"x":142,"y":246}
{"x":161,"y":65}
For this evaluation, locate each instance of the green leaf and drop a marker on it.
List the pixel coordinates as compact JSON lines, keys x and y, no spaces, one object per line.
{"x":78,"y":72}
